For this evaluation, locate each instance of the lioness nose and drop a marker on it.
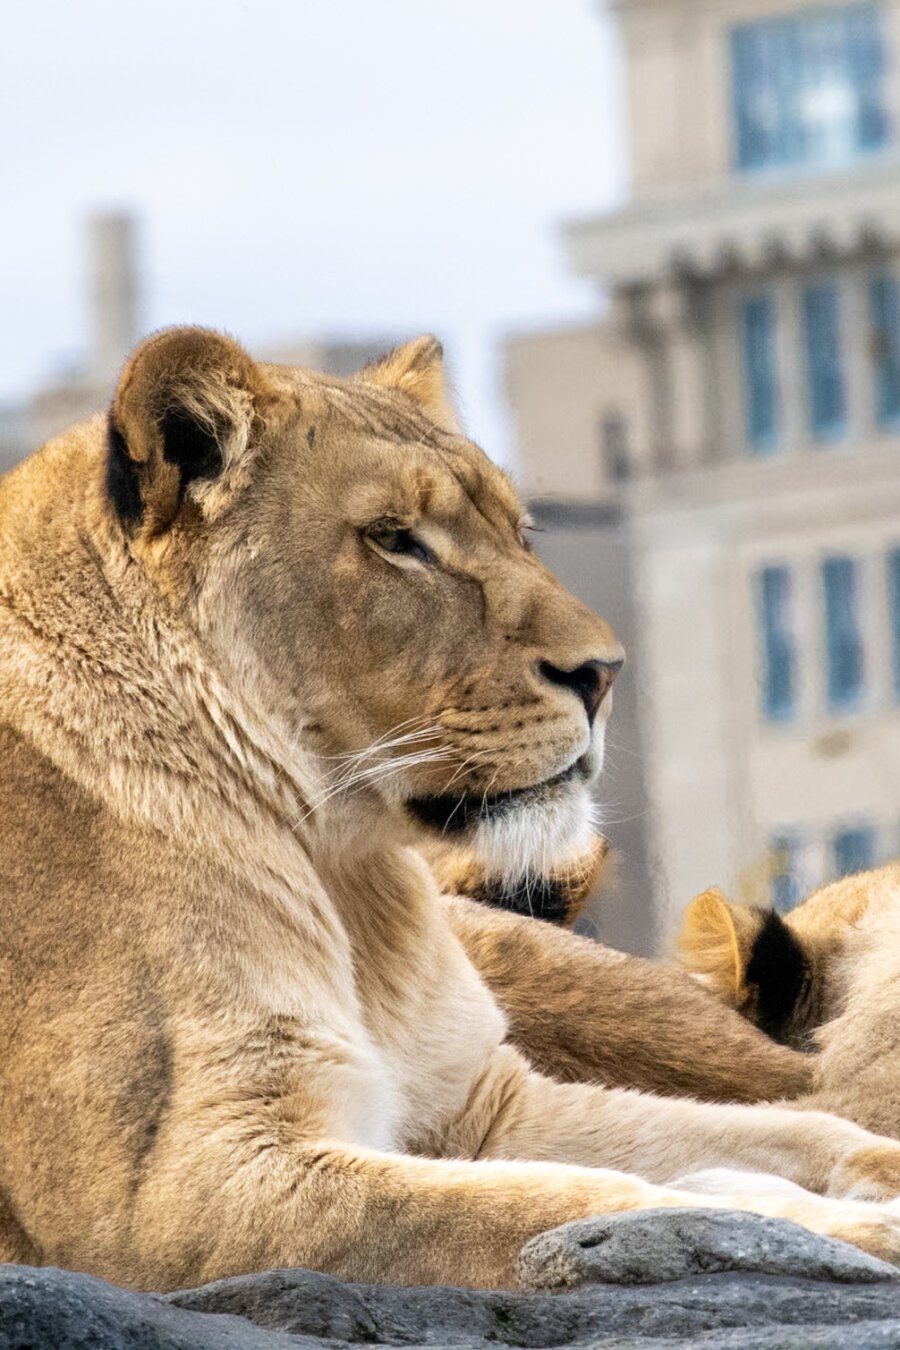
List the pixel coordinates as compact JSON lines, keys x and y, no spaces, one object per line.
{"x":591,"y":681}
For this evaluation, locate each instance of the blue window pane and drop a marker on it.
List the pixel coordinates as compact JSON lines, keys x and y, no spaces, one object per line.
{"x":894,"y":599}
{"x":760,"y":373}
{"x":854,"y":851}
{"x":868,"y":75}
{"x":844,"y":649}
{"x":885,"y":307}
{"x":777,"y":643}
{"x":787,"y":883}
{"x":824,"y":367}
{"x":810,"y":88}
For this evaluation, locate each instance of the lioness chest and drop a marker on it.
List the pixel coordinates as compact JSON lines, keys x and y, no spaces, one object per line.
{"x":422,"y":1022}
{"x":393,"y":1054}
{"x":334,"y":1024}
{"x":373,"y":1033}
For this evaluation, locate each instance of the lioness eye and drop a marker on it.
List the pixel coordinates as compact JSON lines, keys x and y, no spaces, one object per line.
{"x":393,"y":538}
{"x":525,"y":530}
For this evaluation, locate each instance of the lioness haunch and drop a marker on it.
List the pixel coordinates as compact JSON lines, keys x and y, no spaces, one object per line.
{"x":261,"y":631}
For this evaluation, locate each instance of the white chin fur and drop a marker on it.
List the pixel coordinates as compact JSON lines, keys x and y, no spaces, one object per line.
{"x":538,"y":837}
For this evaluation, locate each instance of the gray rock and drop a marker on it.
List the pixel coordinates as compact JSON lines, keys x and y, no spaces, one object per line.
{"x":55,"y":1310}
{"x":825,"y":1297}
{"x":732,"y":1309}
{"x":865,"y":1336}
{"x":651,"y":1246}
{"x":303,"y":1302}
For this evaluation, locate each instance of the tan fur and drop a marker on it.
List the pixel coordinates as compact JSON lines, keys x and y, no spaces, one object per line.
{"x":581,"y":1012}
{"x":715,"y":943}
{"x":416,"y":370}
{"x":849,"y":932}
{"x":559,"y":894}
{"x":237,"y":1028}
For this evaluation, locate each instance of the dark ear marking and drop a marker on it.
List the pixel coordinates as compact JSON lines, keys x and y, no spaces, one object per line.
{"x":191,"y":445}
{"x":779,"y":970}
{"x":122,"y":478}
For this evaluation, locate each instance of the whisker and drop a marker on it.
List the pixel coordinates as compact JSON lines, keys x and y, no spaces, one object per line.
{"x":346,"y":771}
{"x":456,"y":807}
{"x":372,"y":774}
{"x":388,"y":769}
{"x":375,"y":770}
{"x":384,"y":747}
{"x":383,"y":743}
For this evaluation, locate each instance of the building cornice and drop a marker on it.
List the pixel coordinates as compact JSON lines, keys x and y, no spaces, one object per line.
{"x":744,"y":224}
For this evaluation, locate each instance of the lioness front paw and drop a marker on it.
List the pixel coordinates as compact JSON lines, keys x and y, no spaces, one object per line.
{"x":873,"y":1228}
{"x":868,"y":1173}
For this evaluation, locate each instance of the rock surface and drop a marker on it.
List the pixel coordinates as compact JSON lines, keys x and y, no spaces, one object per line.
{"x":713,"y":1298}
{"x":671,"y":1244}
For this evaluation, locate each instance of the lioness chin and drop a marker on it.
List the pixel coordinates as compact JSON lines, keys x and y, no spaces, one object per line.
{"x":261,"y":631}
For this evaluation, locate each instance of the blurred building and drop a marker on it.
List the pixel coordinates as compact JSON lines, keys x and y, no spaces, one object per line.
{"x":717,"y":462}
{"x":114,"y":326}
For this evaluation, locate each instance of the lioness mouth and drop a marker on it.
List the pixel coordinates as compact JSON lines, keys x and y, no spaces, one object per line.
{"x":453,"y":813}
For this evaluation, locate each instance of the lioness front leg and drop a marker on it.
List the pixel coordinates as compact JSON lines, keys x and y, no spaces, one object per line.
{"x":367,"y":1216}
{"x":663,"y":1138}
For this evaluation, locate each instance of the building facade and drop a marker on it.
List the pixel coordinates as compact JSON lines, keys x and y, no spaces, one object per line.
{"x":736,"y":425}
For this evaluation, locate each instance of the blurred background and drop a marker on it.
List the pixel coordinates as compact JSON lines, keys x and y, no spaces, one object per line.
{"x":661,"y":242}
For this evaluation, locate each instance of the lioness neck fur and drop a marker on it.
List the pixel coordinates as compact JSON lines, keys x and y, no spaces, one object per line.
{"x":258,"y":631}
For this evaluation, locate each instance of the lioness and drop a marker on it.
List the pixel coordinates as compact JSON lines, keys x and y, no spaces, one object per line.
{"x":259,"y":630}
{"x":826,"y":977}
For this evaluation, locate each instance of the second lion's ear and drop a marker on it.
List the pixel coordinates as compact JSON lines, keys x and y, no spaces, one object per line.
{"x":185,"y":406}
{"x":716,"y":943}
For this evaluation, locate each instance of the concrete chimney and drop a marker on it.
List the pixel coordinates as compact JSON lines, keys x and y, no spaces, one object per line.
{"x":113,"y":292}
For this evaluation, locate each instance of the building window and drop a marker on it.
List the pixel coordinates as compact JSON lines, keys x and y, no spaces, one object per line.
{"x":760,"y":373}
{"x":614,"y":443}
{"x":854,"y":850}
{"x":885,"y":307}
{"x":777,"y":643}
{"x":824,"y":366}
{"x":809,"y":88}
{"x":843,"y":638}
{"x":894,"y":603}
{"x":787,"y":883}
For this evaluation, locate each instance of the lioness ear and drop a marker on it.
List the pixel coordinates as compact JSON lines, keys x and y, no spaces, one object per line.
{"x":716,"y":942}
{"x":184,"y":407}
{"x":417,"y":370}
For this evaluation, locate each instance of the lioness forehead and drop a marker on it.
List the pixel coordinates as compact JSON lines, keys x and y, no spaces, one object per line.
{"x":459,"y":475}
{"x":435,"y":470}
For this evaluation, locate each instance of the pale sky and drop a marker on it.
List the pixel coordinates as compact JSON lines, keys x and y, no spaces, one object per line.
{"x":308,"y":166}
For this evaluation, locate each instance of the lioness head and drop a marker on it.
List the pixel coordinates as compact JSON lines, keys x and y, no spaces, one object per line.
{"x":786,"y":974}
{"x":755,"y":963}
{"x":364,"y":574}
